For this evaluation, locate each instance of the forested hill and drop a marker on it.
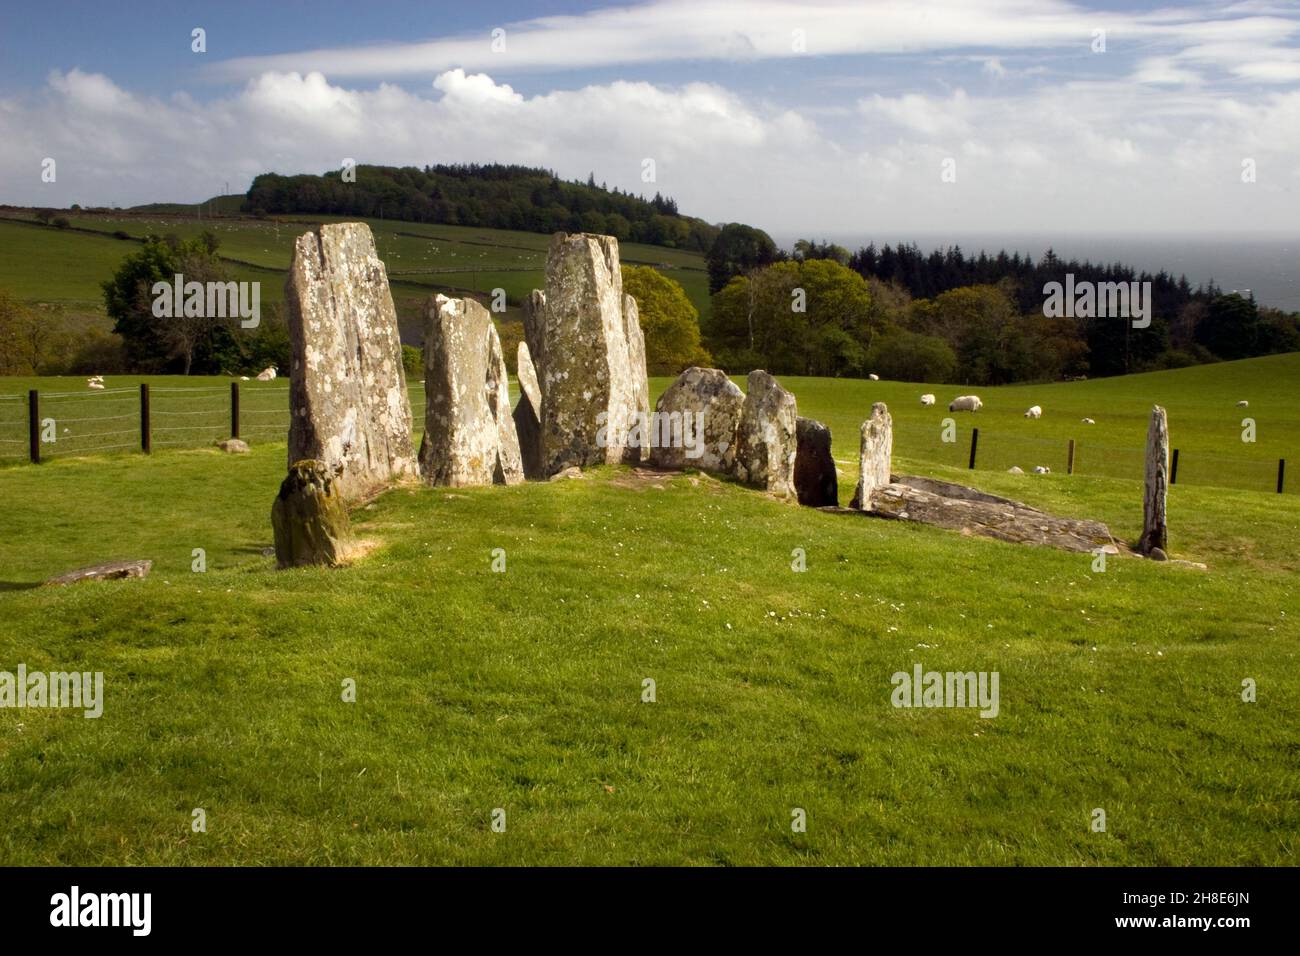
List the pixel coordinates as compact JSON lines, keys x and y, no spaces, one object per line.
{"x":490,"y":196}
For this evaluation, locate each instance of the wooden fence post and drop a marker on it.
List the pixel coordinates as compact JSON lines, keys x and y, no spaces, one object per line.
{"x":146,"y":442}
{"x":974,"y":443}
{"x":234,"y":409}
{"x":34,"y":425}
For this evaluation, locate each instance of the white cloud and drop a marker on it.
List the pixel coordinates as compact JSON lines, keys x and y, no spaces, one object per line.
{"x":1111,"y":156}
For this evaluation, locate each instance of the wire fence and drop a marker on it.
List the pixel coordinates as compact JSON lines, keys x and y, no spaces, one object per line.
{"x":117,"y":420}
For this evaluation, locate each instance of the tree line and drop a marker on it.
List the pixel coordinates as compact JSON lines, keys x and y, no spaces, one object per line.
{"x":491,"y":196}
{"x":948,"y":317}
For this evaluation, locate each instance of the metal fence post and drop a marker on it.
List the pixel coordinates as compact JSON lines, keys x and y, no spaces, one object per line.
{"x":1173,"y":469}
{"x":1069,"y":461}
{"x":34,"y":425}
{"x":146,"y":442}
{"x":1281,"y":474}
{"x":974,"y":443}
{"x":234,"y":409}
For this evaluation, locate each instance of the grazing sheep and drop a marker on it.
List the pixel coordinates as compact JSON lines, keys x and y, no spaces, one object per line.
{"x":965,"y":403}
{"x":1042,"y":470}
{"x":243,"y":378}
{"x":1243,"y":404}
{"x":927,"y":399}
{"x":874,"y":377}
{"x":266,"y":375}
{"x":1035,"y":411}
{"x":93,"y":384}
{"x":1015,"y":470}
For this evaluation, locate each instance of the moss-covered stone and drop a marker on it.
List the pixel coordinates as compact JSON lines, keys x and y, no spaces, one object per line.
{"x":310,"y":522}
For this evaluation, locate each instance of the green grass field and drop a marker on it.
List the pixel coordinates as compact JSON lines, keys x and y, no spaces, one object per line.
{"x":522,"y":690}
{"x":46,"y":264}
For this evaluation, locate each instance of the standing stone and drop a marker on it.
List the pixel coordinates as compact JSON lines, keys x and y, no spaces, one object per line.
{"x":1155,"y":499}
{"x":875,"y":455}
{"x":590,"y":356}
{"x":815,"y":479}
{"x":347,"y":390}
{"x":698,"y":395}
{"x":766,"y":437}
{"x":469,"y":434}
{"x":309,"y":519}
{"x":528,"y":415}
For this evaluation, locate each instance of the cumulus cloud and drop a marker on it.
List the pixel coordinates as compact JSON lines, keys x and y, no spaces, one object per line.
{"x":1104,"y":156}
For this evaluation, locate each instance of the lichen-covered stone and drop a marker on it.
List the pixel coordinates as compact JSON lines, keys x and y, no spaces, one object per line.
{"x":469,"y":434}
{"x":347,"y":390}
{"x":815,"y":480}
{"x":309,"y":518}
{"x":111,"y":571}
{"x":702,"y":408}
{"x":1155,"y":499}
{"x":766,"y":436}
{"x":875,"y":455}
{"x":584,"y":336}
{"x":527,"y":415}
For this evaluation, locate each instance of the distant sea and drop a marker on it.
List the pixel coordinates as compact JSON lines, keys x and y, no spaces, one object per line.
{"x":1269,"y":266}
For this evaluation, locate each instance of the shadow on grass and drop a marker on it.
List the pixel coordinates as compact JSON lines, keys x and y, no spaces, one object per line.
{"x":19,"y":585}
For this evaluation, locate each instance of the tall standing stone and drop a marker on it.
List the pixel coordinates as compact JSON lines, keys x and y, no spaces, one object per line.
{"x":766,"y":437}
{"x":585,"y":337}
{"x":875,"y":455}
{"x":469,"y":434}
{"x":347,"y":390}
{"x":528,"y":415}
{"x":1156,"y":493}
{"x":309,"y":518}
{"x":815,"y":479}
{"x":702,"y":409}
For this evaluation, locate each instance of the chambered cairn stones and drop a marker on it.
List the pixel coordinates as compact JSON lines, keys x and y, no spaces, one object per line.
{"x":469,"y":433}
{"x":815,"y":480}
{"x":584,"y":337}
{"x":309,"y":518}
{"x":766,"y":436}
{"x":347,"y":391}
{"x":875,"y":456}
{"x":528,"y":415}
{"x":695,"y":422}
{"x":1155,"y":538}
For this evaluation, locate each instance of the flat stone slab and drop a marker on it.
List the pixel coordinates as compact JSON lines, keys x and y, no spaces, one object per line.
{"x":111,"y":571}
{"x":1002,"y":519}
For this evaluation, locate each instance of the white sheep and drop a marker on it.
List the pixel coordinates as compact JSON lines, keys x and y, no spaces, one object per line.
{"x":266,"y":375}
{"x":1035,"y":411}
{"x":93,"y":384}
{"x":1243,"y":404}
{"x":965,"y":403}
{"x":927,"y":399}
{"x":1042,"y":470}
{"x":874,"y":377}
{"x":1088,"y":421}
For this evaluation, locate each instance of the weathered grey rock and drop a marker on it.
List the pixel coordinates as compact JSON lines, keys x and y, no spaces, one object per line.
{"x":1156,"y":492}
{"x":573,"y":471}
{"x":815,"y":478}
{"x":111,"y":571}
{"x":1157,"y":554}
{"x":701,"y":409}
{"x":469,"y":433}
{"x":309,"y":518}
{"x":347,"y":390}
{"x":1015,"y":470}
{"x":875,"y":455}
{"x":975,"y":514}
{"x":233,"y":446}
{"x":766,"y":436}
{"x":590,"y":358}
{"x":528,"y":415}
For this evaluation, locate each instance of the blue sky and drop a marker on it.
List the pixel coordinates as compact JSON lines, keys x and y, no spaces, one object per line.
{"x":824,"y":117}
